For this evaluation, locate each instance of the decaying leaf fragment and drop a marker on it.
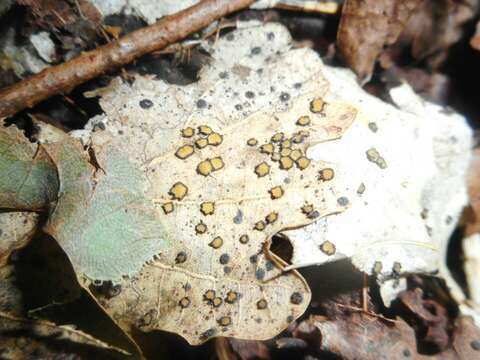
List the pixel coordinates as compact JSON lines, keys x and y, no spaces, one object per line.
{"x":367,"y":26}
{"x":29,"y":179}
{"x":16,"y":229}
{"x":182,"y":230}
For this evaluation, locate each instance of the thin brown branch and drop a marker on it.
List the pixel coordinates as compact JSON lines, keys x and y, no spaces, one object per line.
{"x":63,"y":78}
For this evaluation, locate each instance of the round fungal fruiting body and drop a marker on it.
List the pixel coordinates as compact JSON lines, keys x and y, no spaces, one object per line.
{"x":216,"y":243}
{"x":262,"y":169}
{"x":304,"y":121}
{"x":316,"y":105}
{"x":181,"y":257}
{"x":276,"y":192}
{"x":184,"y":151}
{"x":326,"y":174}
{"x":209,"y":295}
{"x":204,"y":167}
{"x":267,"y":148}
{"x":302,"y":162}
{"x":307,"y":209}
{"x":201,"y":143}
{"x":286,"y":163}
{"x":225,"y":321}
{"x":271,"y":218}
{"x":328,"y":248}
{"x":184,"y":302}
{"x":216,"y":302}
{"x":188,"y":132}
{"x":259,"y":225}
{"x":296,"y":298}
{"x":207,"y":208}
{"x":244,"y":239}
{"x":214,"y":139}
{"x":200,"y":228}
{"x":262,"y":304}
{"x":204,"y":130}
{"x":217,"y":163}
{"x":168,"y":207}
{"x":178,"y":191}
{"x":231,"y":297}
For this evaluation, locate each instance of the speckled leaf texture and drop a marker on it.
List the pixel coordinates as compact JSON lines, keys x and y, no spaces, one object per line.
{"x":189,"y":184}
{"x":28,"y":178}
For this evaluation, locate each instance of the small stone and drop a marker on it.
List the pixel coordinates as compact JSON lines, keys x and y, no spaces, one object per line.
{"x":271,"y":218}
{"x":178,"y":191}
{"x":302,"y":162}
{"x":184,"y":151}
{"x":214,"y":139}
{"x":205,"y":130}
{"x":328,"y":248}
{"x":316,"y":105}
{"x":167,"y":208}
{"x":252,"y":142}
{"x":262,"y":169}
{"x":217,"y":163}
{"x":188,"y":132}
{"x":267,"y":149}
{"x":204,"y":168}
{"x":276,"y":192}
{"x":260,"y":225}
{"x":304,"y":121}
{"x":361,"y":189}
{"x":296,"y":154}
{"x":146,"y":103}
{"x":286,"y":163}
{"x":207,"y":208}
{"x":216,"y":243}
{"x":201,"y":143}
{"x":200,"y":228}
{"x":224,"y":259}
{"x":181,"y":257}
{"x":326,"y":174}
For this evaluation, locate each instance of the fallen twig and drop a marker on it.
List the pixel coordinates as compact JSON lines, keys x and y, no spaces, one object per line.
{"x":63,"y":78}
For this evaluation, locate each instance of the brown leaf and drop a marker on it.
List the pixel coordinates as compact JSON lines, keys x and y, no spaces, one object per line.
{"x":475,"y":40}
{"x":472,"y":214}
{"x":367,"y":26}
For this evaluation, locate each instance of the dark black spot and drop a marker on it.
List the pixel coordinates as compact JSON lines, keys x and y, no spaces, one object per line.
{"x":296,"y":298}
{"x":406,"y":353}
{"x":342,"y":201}
{"x":239,"y":217}
{"x":250,"y":94}
{"x":224,"y":259}
{"x":256,"y":50}
{"x":201,"y":104}
{"x":181,"y":257}
{"x":475,"y":344}
{"x":99,"y":126}
{"x":269,"y":265}
{"x":146,"y":103}
{"x":253,"y":259}
{"x":223,"y":75}
{"x":227,"y":269}
{"x":260,"y":274}
{"x":448,"y":220}
{"x":284,"y":96}
{"x":230,"y":37}
{"x":270,"y":36}
{"x":313,"y":215}
{"x":297,"y":85}
{"x":258,"y":320}
{"x":289,"y":318}
{"x":373,"y":127}
{"x":120,"y":132}
{"x":238,"y":107}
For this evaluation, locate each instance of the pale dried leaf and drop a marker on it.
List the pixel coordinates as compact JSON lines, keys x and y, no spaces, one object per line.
{"x":16,"y":229}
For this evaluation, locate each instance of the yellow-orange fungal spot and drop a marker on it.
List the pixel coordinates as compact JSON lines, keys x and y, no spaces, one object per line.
{"x":209,"y":295}
{"x":326,"y":174}
{"x":267,"y":148}
{"x":275,"y":156}
{"x":277,"y":137}
{"x":328,"y":248}
{"x":216,"y":243}
{"x":217,"y":163}
{"x":184,"y":151}
{"x":276,"y":192}
{"x":307,"y":209}
{"x":296,"y":154}
{"x":286,"y":163}
{"x":286,"y":144}
{"x":262,"y":169}
{"x":302,"y":163}
{"x":244,"y":239}
{"x":225,"y":321}
{"x":167,"y":207}
{"x":316,"y":105}
{"x":285,"y":152}
{"x":188,"y":132}
{"x":214,"y":139}
{"x":252,"y":142}
{"x":231,"y":297}
{"x":184,"y":302}
{"x":201,"y":143}
{"x":262,"y":304}
{"x":260,"y":225}
{"x":304,"y":121}
{"x":205,"y":167}
{"x":216,"y":302}
{"x":207,"y":208}
{"x":271,"y":218}
{"x":178,"y":191}
{"x":200,"y":228}
{"x":204,"y":130}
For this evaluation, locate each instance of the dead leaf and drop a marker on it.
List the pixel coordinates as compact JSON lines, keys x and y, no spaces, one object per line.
{"x":367,"y":26}
{"x":16,"y":229}
{"x":29,"y":178}
{"x":475,"y":40}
